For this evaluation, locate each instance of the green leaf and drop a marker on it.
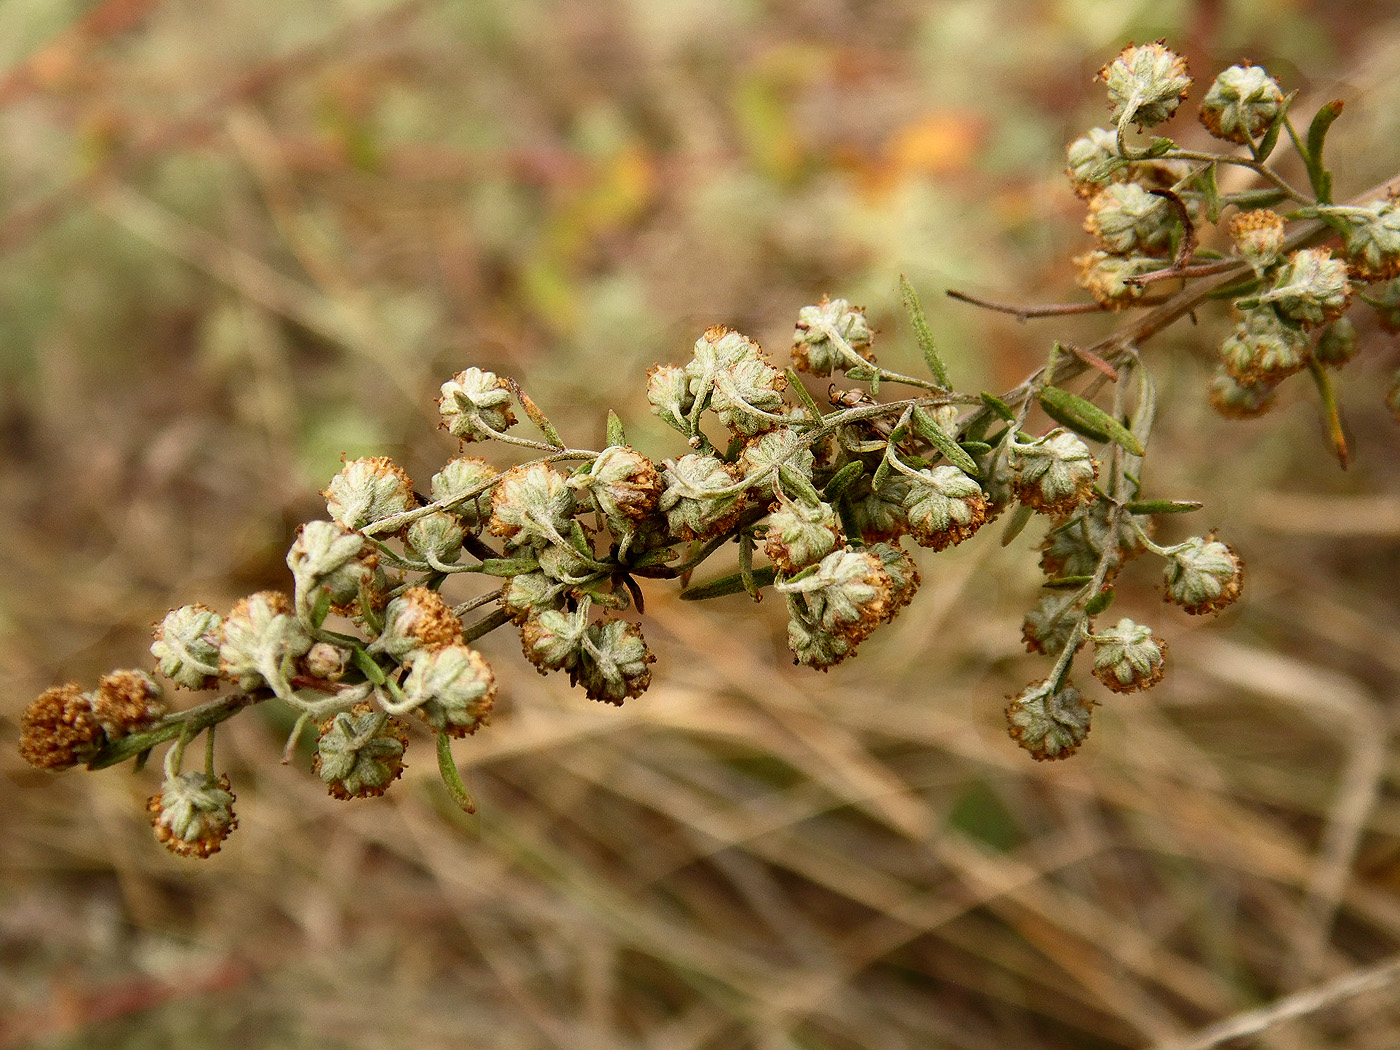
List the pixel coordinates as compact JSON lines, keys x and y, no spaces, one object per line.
{"x":1270,"y":139}
{"x":923,"y":333}
{"x":1162,"y":506}
{"x":843,"y":479}
{"x":509,"y":566}
{"x":998,"y":406}
{"x":1019,"y":519}
{"x":1065,"y":583}
{"x":1210,"y":187}
{"x":795,"y":385}
{"x":1318,"y":174}
{"x":451,"y":777}
{"x":975,"y":448}
{"x":616,"y":435}
{"x":1099,"y":602}
{"x":1160,"y":147}
{"x":732,"y":584}
{"x":943,"y":441}
{"x":1086,"y":418}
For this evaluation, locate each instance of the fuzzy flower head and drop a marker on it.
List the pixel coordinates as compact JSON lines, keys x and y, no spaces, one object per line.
{"x":1076,"y":545}
{"x":848,"y":594}
{"x":1105,"y":276}
{"x":261,"y":640}
{"x":615,"y":661}
{"x":186,"y":646}
{"x":668,"y":393}
{"x":1373,"y":241}
{"x":1241,"y":104}
{"x":1236,"y":400}
{"x":943,"y":507}
{"x":1091,"y":157}
{"x":694,"y":499}
{"x":1145,"y":84}
{"x":1049,"y":626}
{"x":465,"y":482}
{"x":1054,"y":474}
{"x":368,"y":490}
{"x":436,"y":537}
{"x":453,"y":689}
{"x":1258,"y":237}
{"x":58,"y":729}
{"x":1310,"y":287}
{"x":474,"y":404}
{"x":1264,"y":348}
{"x":1204,"y":576}
{"x":531,"y":506}
{"x":813,"y":349}
{"x":800,"y":534}
{"x":744,"y":390}
{"x":1126,"y":219}
{"x":193,"y":813}
{"x":328,"y":556}
{"x":623,"y":484}
{"x":360,"y":752}
{"x":127,"y":702}
{"x":1128,"y":657}
{"x":1050,"y":723}
{"x":417,"y":620}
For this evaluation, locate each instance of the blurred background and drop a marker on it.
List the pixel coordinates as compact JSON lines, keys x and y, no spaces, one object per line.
{"x":240,"y":239}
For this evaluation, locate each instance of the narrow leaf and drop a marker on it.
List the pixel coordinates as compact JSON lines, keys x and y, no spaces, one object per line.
{"x":843,"y":479}
{"x":1270,"y":139}
{"x":1318,"y":174}
{"x":731,"y":584}
{"x":536,"y":415}
{"x":795,"y":385}
{"x":923,"y":333}
{"x":940,"y":439}
{"x":1019,"y":519}
{"x":616,"y":434}
{"x":1210,"y":187}
{"x":1086,"y":418}
{"x":1162,"y":506}
{"x":1332,"y":412}
{"x":1099,"y":602}
{"x":451,"y":777}
{"x":1065,"y":583}
{"x":998,"y":406}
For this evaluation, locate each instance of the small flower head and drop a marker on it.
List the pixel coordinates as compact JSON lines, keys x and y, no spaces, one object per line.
{"x":360,"y":752}
{"x":1258,"y":237}
{"x":1050,"y":723}
{"x":1105,"y":276}
{"x":475,"y":404}
{"x":813,"y":349}
{"x":453,"y":687}
{"x":800,"y":534}
{"x":1336,"y":344}
{"x":466,"y":482}
{"x":437,"y":536}
{"x":417,"y":620}
{"x":943,"y":507}
{"x":694,"y":501}
{"x":1264,"y":348}
{"x":668,"y":392}
{"x":1126,"y":219}
{"x":1373,"y":242}
{"x":1204,"y":576}
{"x":743,"y":389}
{"x":531,"y":593}
{"x":553,"y":639}
{"x":1055,"y":474}
{"x":814,"y":646}
{"x":1236,"y":400}
{"x":58,"y":729}
{"x":1310,"y":287}
{"x":1145,"y":84}
{"x":367,"y":490}
{"x":1076,"y":545}
{"x":903,"y":574}
{"x":615,"y":662}
{"x":325,"y":661}
{"x":1091,"y":157}
{"x":783,"y":450}
{"x":127,"y":702}
{"x":1127,"y":657}
{"x":193,"y":813}
{"x":879,"y":513}
{"x":623,"y":484}
{"x":186,"y":646}
{"x":261,"y":640}
{"x":331,"y":557}
{"x":531,"y":506}
{"x":1049,"y":626}
{"x":1241,"y":104}
{"x":848,"y":594}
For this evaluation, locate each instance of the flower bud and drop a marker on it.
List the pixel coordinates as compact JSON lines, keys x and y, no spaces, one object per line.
{"x":1264,"y":348}
{"x":695,"y":505}
{"x":529,"y":594}
{"x":1373,"y":242}
{"x":325,"y":661}
{"x":261,"y":639}
{"x":879,"y":513}
{"x":327,"y":556}
{"x":1047,"y":722}
{"x":1258,"y":237}
{"x":813,"y":646}
{"x":367,"y":490}
{"x":186,"y":646}
{"x":127,"y":702}
{"x":1125,"y":219}
{"x":465,"y":481}
{"x":1105,"y":277}
{"x":360,"y":752}
{"x":903,"y":574}
{"x":58,"y":729}
{"x":553,"y":640}
{"x":1127,"y":657}
{"x":1241,"y":104}
{"x":1204,"y":576}
{"x":193,"y":813}
{"x":848,"y":594}
{"x":744,"y":390}
{"x":944,"y":508}
{"x":1076,"y":545}
{"x":438,"y":535}
{"x":1310,"y":287}
{"x":1145,"y":84}
{"x":668,"y":392}
{"x":453,"y":687}
{"x":1054,"y":474}
{"x":783,"y":449}
{"x":800,"y":534}
{"x":417,"y":620}
{"x":624,"y":485}
{"x":1090,"y":157}
{"x":1337,"y":343}
{"x":1236,"y":400}
{"x":1048,"y":627}
{"x":531,"y":507}
{"x":813,"y":350}
{"x":475,"y":403}
{"x":615,"y":661}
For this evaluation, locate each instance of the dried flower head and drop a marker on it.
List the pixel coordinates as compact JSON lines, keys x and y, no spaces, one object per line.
{"x":1127,"y":657}
{"x":368,"y":490}
{"x":615,"y":663}
{"x":695,"y":501}
{"x":465,"y":484}
{"x":668,"y":392}
{"x":1310,"y":287}
{"x":1241,"y":104}
{"x":846,"y":596}
{"x":531,"y":506}
{"x":1258,"y":237}
{"x":328,"y":556}
{"x":1264,"y":348}
{"x":127,"y":702}
{"x":453,"y":689}
{"x":359,"y":752}
{"x":417,"y":620}
{"x":731,"y":373}
{"x":193,"y":813}
{"x":1236,"y":400}
{"x":1050,"y":723}
{"x":1092,"y":157}
{"x":1373,"y":240}
{"x":1203,"y":576}
{"x":475,"y":405}
{"x":813,"y":349}
{"x":800,"y":534}
{"x":1055,"y":473}
{"x":1145,"y":84}
{"x":623,"y":484}
{"x":1048,"y":626}
{"x":943,"y":506}
{"x":1105,"y":276}
{"x":58,"y":729}
{"x":261,"y":640}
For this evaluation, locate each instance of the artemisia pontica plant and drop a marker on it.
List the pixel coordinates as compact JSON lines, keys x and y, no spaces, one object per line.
{"x":819,"y":498}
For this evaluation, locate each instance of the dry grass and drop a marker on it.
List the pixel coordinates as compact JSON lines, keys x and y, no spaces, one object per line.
{"x":236,"y":248}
